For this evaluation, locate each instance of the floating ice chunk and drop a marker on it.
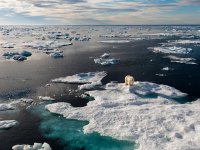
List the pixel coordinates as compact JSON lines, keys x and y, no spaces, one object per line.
{"x":115,"y":41}
{"x":105,"y":55}
{"x":172,"y":50}
{"x":56,"y":55}
{"x":5,"y":124}
{"x":106,"y":62}
{"x":186,"y":42}
{"x":36,"y":146}
{"x":182,"y":60}
{"x":4,"y":107}
{"x":154,"y":123}
{"x":19,"y":57}
{"x":10,"y":54}
{"x":26,"y":53}
{"x":161,"y":75}
{"x":167,"y":68}
{"x":46,"y":98}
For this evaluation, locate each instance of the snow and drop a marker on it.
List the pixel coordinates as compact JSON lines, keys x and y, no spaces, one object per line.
{"x":106,"y":62}
{"x":46,"y":98}
{"x":89,"y":80}
{"x":172,"y":50}
{"x":35,"y":146}
{"x":126,"y":113}
{"x":5,"y":124}
{"x":4,"y":107}
{"x":182,"y":60}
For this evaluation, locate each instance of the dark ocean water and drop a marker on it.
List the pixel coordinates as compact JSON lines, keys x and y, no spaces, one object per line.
{"x":28,"y":79}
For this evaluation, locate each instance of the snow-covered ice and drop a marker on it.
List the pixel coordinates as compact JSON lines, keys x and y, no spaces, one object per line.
{"x":115,"y":41}
{"x":5,"y":124}
{"x":186,"y":42}
{"x":182,"y":60}
{"x":171,"y":50}
{"x":4,"y":107}
{"x":106,"y":61}
{"x":35,"y":146}
{"x":89,"y":80}
{"x":46,"y":98}
{"x":126,"y":112}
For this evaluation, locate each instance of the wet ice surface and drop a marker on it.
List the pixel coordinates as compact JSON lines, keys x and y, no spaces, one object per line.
{"x":74,"y":45}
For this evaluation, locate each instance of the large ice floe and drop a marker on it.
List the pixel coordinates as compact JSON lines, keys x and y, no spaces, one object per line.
{"x":35,"y":146}
{"x":89,"y":80}
{"x":6,"y":124}
{"x":171,"y":50}
{"x":181,"y":60}
{"x":145,"y":113}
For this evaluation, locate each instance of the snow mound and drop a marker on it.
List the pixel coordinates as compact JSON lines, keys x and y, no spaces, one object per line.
{"x":89,"y":80}
{"x":172,"y":50}
{"x":4,"y":107}
{"x":5,"y":124}
{"x":35,"y":146}
{"x":126,"y":113}
{"x":182,"y":60}
{"x":46,"y":98}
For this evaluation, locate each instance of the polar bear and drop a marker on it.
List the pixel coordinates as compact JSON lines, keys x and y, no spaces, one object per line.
{"x":129,"y":80}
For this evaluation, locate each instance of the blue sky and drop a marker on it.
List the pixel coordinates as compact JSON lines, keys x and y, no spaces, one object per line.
{"x":99,"y":12}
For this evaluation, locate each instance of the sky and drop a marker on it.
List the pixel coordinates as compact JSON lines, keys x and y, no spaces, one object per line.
{"x":99,"y":12}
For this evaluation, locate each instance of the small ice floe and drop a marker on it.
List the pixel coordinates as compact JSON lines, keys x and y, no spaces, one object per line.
{"x":46,"y":98}
{"x":186,"y":42}
{"x":4,"y":107}
{"x":166,"y":69}
{"x":182,"y":60}
{"x":171,"y":50}
{"x":57,"y":55}
{"x":35,"y":146}
{"x":106,"y":61}
{"x":17,"y":56}
{"x":89,"y":80}
{"x":128,"y":113}
{"x":6,"y":124}
{"x":115,"y":41}
{"x":160,"y":74}
{"x":105,"y":55}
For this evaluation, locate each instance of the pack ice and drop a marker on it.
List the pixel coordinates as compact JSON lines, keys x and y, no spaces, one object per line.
{"x":131,"y":113}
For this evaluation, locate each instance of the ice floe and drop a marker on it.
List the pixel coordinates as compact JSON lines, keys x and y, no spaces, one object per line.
{"x":167,"y":68}
{"x":4,"y":107}
{"x":89,"y":80}
{"x":127,"y":113}
{"x":186,"y":42}
{"x":46,"y":98}
{"x":35,"y":146}
{"x":17,"y":56}
{"x":5,"y":124}
{"x":172,"y":50}
{"x":182,"y":60}
{"x":106,"y":61}
{"x":115,"y":41}
{"x":105,"y":55}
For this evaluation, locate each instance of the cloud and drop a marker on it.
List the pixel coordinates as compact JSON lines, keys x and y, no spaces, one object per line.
{"x":101,"y":11}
